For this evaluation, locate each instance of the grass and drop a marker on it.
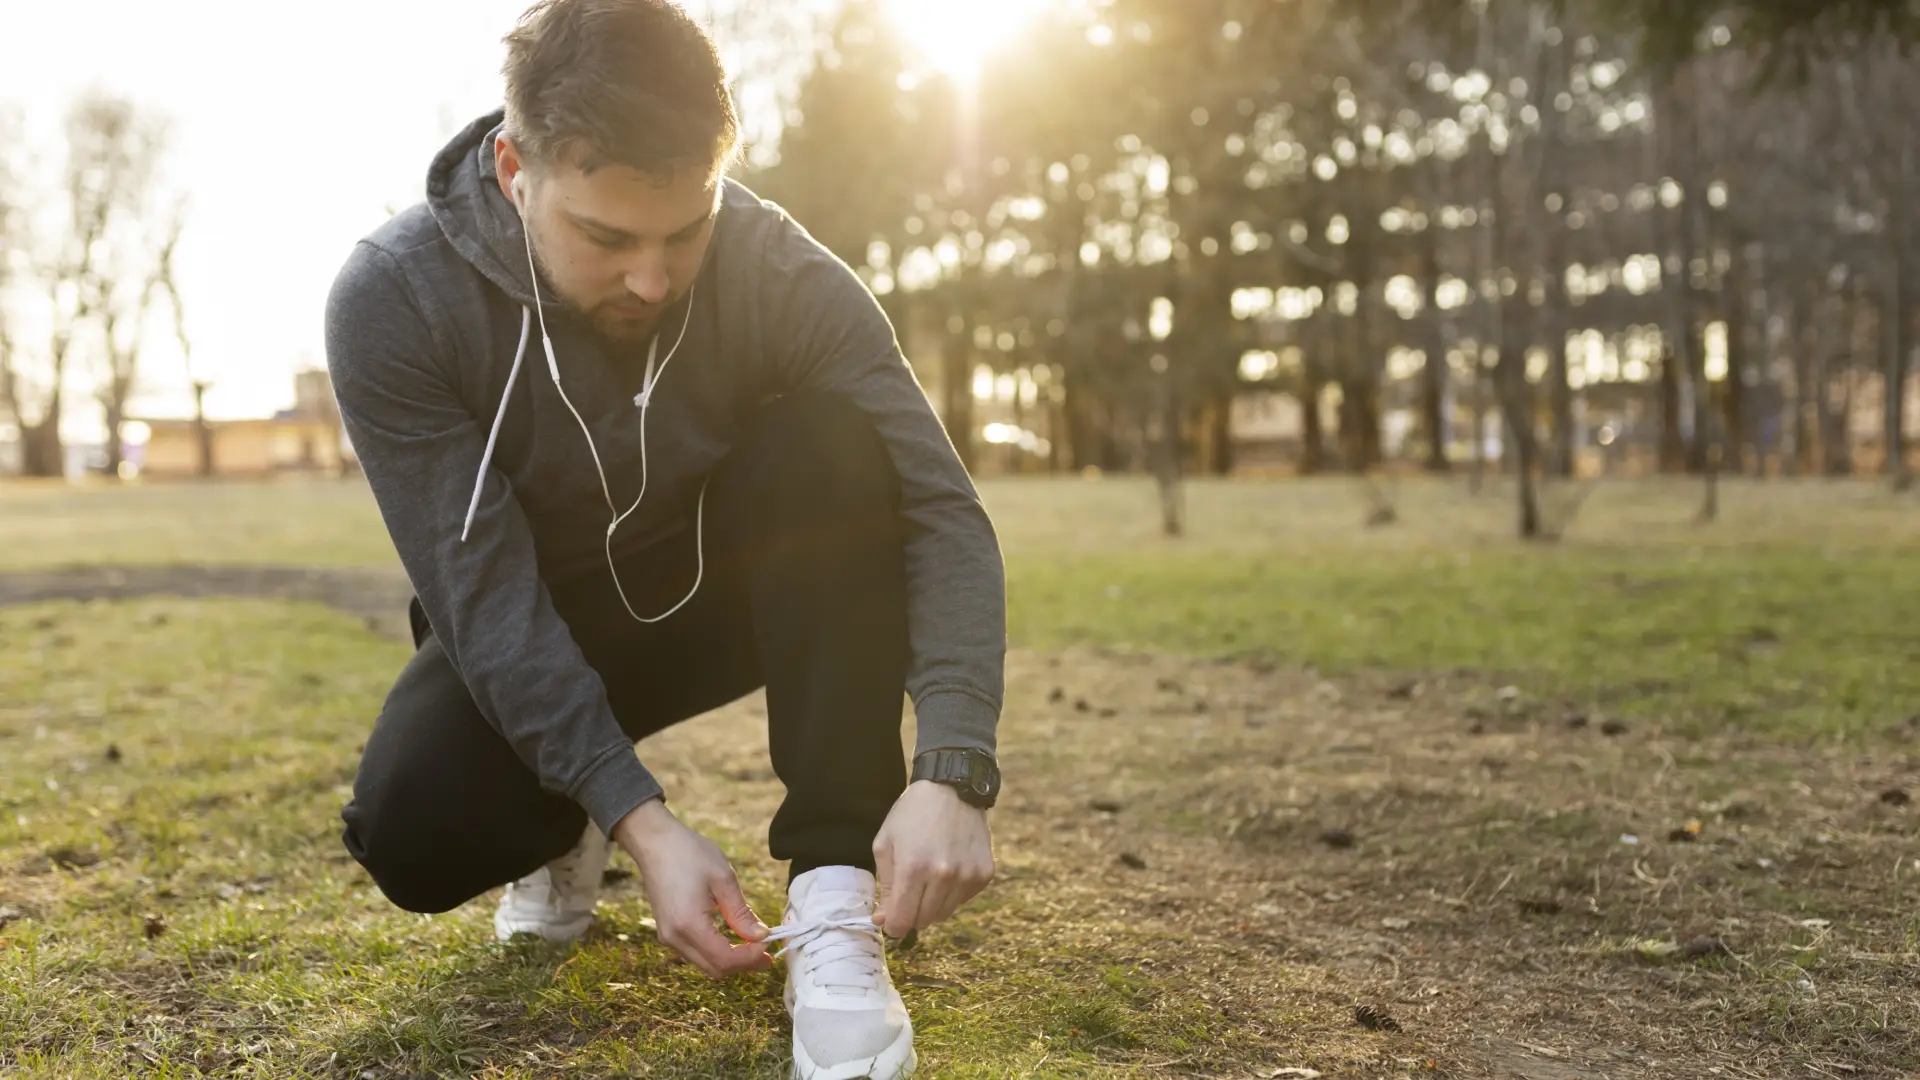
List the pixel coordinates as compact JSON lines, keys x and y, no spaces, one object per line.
{"x":1784,"y":617}
{"x":171,"y":773}
{"x":169,"y":831}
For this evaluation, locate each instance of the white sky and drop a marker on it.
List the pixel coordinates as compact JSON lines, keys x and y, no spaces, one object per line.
{"x":296,"y":127}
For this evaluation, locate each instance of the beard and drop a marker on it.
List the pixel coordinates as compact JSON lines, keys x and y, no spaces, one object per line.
{"x":615,"y":328}
{"x":622,"y":330}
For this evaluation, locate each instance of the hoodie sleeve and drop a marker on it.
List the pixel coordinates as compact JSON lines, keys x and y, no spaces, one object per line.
{"x":421,"y":448}
{"x":830,"y":334}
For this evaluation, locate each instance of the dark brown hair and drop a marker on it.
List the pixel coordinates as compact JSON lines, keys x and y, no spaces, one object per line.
{"x":638,"y":83}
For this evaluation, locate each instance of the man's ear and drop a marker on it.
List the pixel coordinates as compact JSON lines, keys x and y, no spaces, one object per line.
{"x":508,"y":168}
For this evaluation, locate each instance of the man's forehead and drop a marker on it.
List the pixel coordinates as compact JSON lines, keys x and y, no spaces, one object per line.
{"x":625,"y":199}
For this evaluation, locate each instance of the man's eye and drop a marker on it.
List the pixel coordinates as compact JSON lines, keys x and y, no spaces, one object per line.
{"x":608,"y":243}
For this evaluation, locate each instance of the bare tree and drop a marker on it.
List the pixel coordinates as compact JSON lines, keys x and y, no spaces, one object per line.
{"x":11,"y":228}
{"x":167,"y":282}
{"x":96,"y":276}
{"x":113,"y":157}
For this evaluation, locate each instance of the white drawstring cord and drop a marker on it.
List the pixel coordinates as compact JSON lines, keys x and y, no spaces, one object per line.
{"x":644,"y":399}
{"x":493,"y":436}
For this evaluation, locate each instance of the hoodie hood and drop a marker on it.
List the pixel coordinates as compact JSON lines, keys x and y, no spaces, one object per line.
{"x":463,"y":192}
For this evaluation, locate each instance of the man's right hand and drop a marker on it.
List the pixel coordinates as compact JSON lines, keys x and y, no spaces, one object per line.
{"x":687,"y":879}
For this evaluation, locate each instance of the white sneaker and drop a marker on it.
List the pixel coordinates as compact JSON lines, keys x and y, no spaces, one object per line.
{"x":848,"y":1021}
{"x":556,"y":901}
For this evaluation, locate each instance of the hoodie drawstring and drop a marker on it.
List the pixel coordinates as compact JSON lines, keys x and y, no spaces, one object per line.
{"x":486,"y":459}
{"x":643,"y":400}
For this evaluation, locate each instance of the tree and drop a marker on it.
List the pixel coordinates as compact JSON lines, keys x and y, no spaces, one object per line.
{"x":95,"y":277}
{"x":114,"y":150}
{"x":167,"y":282}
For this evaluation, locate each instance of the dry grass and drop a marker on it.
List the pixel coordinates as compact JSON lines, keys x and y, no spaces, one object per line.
{"x":1255,"y":780}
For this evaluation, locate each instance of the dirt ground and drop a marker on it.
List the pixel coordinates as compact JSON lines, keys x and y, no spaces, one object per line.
{"x":1509,"y":887}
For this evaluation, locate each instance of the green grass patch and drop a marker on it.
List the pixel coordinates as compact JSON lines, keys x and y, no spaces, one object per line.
{"x":1781,"y":641}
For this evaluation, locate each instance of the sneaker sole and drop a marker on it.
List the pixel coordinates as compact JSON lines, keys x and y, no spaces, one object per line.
{"x":896,"y":1062}
{"x":558,"y":933}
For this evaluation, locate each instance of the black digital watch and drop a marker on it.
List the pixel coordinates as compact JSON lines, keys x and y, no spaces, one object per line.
{"x":972,"y":773}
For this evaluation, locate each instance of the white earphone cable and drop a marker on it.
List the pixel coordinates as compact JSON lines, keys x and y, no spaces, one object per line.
{"x":644,"y":400}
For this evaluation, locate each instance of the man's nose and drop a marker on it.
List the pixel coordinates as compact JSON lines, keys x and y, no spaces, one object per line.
{"x":647,"y":277}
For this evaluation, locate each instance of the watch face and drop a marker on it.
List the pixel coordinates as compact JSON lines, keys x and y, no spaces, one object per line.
{"x":985,"y":779}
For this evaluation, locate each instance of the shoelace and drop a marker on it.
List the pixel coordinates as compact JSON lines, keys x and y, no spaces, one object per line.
{"x":848,"y":961}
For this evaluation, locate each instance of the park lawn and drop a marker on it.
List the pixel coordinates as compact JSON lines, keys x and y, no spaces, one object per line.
{"x":179,"y":902}
{"x":1489,"y":720}
{"x":1791,"y":615}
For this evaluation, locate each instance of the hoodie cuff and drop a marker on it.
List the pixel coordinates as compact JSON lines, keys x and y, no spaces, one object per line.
{"x":614,"y":787}
{"x":955,"y":718}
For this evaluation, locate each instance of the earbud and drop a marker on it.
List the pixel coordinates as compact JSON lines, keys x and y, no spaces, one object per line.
{"x":519,"y":187}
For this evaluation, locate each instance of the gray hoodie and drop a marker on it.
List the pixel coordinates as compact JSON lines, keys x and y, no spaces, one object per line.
{"x":422,"y":328}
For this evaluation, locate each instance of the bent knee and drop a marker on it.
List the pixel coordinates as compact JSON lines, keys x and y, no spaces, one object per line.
{"x":826,"y":443}
{"x":403,"y":866}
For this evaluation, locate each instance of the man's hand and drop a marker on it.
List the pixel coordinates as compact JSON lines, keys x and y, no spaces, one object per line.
{"x":934,"y":853}
{"x":687,"y":879}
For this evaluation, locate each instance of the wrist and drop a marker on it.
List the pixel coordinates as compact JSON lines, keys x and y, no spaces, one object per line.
{"x":643,"y":824}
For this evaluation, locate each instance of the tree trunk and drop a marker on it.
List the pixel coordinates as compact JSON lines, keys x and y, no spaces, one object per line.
{"x":1834,"y":455}
{"x":116,"y":450}
{"x":1360,"y":422}
{"x":1433,"y":374}
{"x":42,"y":451}
{"x":1313,"y":445}
{"x":1734,"y":307}
{"x":1804,"y":341}
{"x":1673,"y":452}
{"x":956,"y":369}
{"x":1221,"y":433}
{"x":1691,"y":356}
{"x":1553,"y":318}
{"x":1167,"y":471}
{"x":1360,"y":396}
{"x":1894,"y":348}
{"x":1714,"y":439}
{"x":203,"y":431}
{"x":1836,"y":436}
{"x":1516,"y":407}
{"x":1479,"y":474}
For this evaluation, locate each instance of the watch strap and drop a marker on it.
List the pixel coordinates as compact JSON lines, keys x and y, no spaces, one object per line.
{"x":968,"y":771}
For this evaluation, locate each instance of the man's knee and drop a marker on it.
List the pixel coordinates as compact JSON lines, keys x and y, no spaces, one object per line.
{"x":822,"y":448}
{"x":400,"y":859}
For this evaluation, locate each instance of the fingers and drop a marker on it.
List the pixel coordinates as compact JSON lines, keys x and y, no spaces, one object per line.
{"x":883,"y":871}
{"x":705,"y":947}
{"x":899,"y":905}
{"x":948,"y":886}
{"x":695,"y":937}
{"x":735,"y":909}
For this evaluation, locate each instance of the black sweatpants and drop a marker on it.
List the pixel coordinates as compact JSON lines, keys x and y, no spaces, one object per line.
{"x":805,"y":594}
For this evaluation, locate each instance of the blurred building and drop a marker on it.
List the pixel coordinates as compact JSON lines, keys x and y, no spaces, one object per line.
{"x":306,"y":438}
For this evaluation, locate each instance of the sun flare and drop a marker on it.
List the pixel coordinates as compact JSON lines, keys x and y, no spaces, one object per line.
{"x":955,"y":36}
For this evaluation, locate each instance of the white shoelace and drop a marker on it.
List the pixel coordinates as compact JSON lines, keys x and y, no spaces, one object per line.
{"x":852,"y":961}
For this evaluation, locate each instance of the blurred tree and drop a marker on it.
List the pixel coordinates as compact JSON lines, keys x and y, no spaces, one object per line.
{"x":114,"y":150}
{"x":167,"y":281}
{"x":1145,"y":208}
{"x":12,"y":245}
{"x":95,"y":276}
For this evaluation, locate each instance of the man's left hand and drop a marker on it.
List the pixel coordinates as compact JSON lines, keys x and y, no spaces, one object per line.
{"x":934,"y":853}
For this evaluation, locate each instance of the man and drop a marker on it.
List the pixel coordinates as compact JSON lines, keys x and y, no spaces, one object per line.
{"x":645,"y":447}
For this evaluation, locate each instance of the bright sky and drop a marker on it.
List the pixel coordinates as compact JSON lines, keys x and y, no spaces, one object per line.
{"x":297,"y":128}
